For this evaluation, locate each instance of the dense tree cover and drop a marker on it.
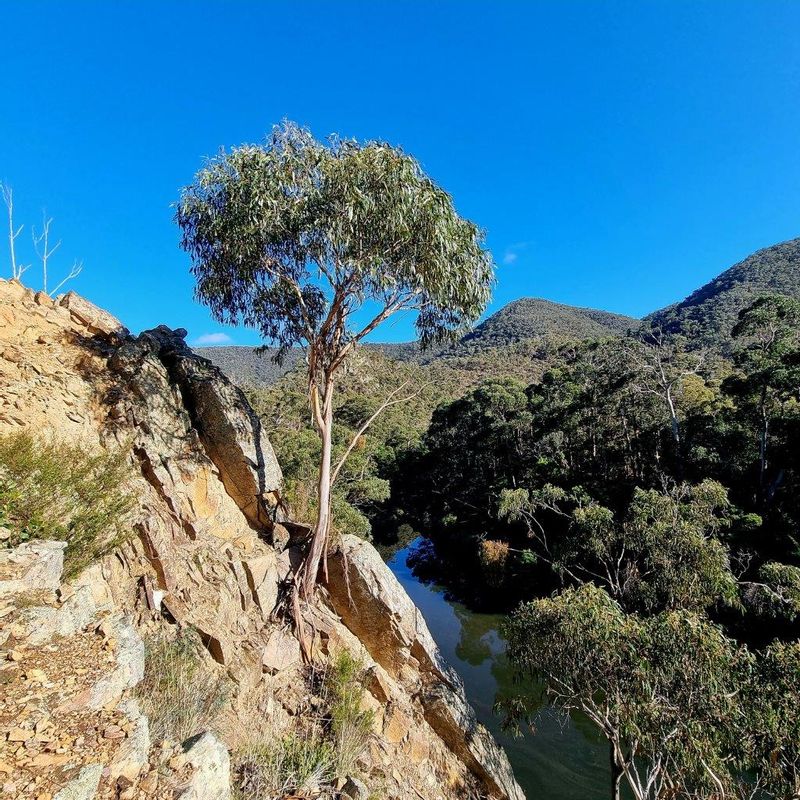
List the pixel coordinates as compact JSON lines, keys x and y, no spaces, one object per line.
{"x":641,"y":502}
{"x":532,"y":317}
{"x":708,"y":315}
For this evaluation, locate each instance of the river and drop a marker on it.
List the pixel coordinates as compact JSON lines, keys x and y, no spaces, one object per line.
{"x":561,"y":760}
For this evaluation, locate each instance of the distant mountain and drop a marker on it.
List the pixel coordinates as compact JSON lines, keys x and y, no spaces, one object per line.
{"x":252,"y":366}
{"x":246,"y":366}
{"x":708,"y":314}
{"x":529,"y":323}
{"x":531,"y":318}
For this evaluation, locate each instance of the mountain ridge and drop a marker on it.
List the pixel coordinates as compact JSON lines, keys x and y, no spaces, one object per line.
{"x":707,"y":315}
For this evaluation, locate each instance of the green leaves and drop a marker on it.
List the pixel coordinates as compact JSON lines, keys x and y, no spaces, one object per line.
{"x":667,"y":691}
{"x":282,"y":232}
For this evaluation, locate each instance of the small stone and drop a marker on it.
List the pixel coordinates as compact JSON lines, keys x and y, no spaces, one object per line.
{"x":19,"y":735}
{"x":149,"y":783}
{"x":113,"y":732}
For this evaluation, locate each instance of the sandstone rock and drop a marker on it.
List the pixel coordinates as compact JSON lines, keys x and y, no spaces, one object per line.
{"x":84,"y":787}
{"x":128,"y":667}
{"x":31,"y":567}
{"x":449,"y":714}
{"x":282,"y":651}
{"x":211,"y":779}
{"x":131,"y":759}
{"x":96,"y":319}
{"x":232,"y":434}
{"x":42,"y":624}
{"x":263,"y":578}
{"x":376,"y":608}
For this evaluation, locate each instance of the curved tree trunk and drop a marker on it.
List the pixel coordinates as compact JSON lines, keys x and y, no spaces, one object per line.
{"x":616,"y":774}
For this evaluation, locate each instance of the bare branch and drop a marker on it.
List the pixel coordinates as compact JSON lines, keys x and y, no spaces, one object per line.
{"x":391,"y":400}
{"x":8,"y":199}
{"x":76,"y":270}
{"x":46,"y":251}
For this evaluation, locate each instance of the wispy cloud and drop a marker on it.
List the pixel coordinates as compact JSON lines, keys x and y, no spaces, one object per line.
{"x":211,"y":339}
{"x":513,"y":251}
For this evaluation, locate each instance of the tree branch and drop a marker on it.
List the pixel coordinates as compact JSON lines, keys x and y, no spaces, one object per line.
{"x":391,"y":400}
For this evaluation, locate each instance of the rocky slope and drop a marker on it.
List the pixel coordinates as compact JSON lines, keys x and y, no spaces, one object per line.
{"x":211,"y":550}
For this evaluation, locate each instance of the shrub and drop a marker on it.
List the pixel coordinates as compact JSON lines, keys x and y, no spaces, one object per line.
{"x":324,"y":744}
{"x":291,"y":766}
{"x":179,"y":694}
{"x":350,"y":723}
{"x":51,"y":489}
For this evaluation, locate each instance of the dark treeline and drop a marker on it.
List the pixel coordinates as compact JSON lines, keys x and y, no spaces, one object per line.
{"x":638,"y":510}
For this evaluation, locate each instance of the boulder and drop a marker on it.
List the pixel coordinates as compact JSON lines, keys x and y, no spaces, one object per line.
{"x":31,"y":567}
{"x":454,"y":721}
{"x":376,"y":608}
{"x":128,"y":664}
{"x":282,"y":651}
{"x":232,"y":435}
{"x":43,"y":623}
{"x":84,"y":787}
{"x":211,"y":778}
{"x":94,"y":318}
{"x":263,"y":579}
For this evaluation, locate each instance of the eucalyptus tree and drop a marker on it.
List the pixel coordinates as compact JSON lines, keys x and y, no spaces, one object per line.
{"x":663,"y":553}
{"x":315,"y":244}
{"x":769,"y":384}
{"x":667,"y":691}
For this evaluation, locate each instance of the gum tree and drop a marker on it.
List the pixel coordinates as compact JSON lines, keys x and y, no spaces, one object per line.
{"x":315,"y":244}
{"x":666,"y":691}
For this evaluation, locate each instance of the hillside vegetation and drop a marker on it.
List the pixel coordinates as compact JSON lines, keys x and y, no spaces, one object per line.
{"x":708,"y":315}
{"x":531,"y":317}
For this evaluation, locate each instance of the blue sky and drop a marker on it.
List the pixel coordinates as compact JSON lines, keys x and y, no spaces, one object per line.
{"x":618,"y":154}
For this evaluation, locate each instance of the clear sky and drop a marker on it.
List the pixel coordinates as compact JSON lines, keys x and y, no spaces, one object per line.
{"x":618,"y":154}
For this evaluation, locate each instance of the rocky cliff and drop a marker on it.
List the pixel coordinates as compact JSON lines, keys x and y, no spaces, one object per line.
{"x":211,"y":550}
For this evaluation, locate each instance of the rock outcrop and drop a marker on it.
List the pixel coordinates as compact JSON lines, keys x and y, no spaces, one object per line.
{"x":211,"y":553}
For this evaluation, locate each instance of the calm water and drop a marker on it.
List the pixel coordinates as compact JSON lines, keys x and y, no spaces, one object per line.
{"x":559,"y":761}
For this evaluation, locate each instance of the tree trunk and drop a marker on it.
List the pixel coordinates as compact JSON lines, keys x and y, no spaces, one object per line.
{"x":319,"y":541}
{"x":616,"y":774}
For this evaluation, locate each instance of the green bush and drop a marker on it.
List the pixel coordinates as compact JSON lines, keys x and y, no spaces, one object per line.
{"x":350,"y":724}
{"x":51,"y":489}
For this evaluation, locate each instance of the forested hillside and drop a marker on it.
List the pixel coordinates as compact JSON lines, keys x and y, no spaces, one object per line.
{"x":531,"y":317}
{"x":707,"y":316}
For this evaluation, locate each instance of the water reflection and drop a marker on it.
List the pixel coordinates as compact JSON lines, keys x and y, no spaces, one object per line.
{"x":559,"y":760}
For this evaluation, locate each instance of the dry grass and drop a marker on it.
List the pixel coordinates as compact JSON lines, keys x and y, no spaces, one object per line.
{"x":180,"y":694}
{"x":328,"y":736}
